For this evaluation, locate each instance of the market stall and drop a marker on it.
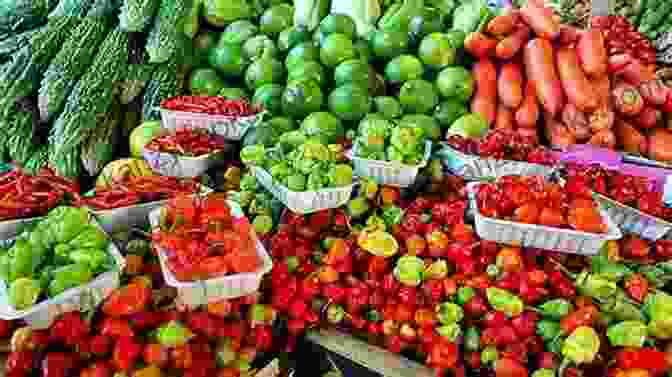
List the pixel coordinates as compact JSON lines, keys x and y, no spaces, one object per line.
{"x":270,"y":187}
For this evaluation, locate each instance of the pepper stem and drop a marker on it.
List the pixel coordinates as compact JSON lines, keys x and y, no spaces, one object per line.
{"x":563,"y":366}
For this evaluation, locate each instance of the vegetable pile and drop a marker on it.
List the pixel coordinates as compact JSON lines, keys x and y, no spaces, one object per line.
{"x":138,"y":190}
{"x":203,"y":239}
{"x":503,"y":144}
{"x":63,"y":251}
{"x":213,"y":105}
{"x":188,"y":142}
{"x":531,"y":200}
{"x":25,"y":195}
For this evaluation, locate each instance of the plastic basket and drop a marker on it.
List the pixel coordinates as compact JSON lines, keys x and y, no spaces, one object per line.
{"x":475,"y":167}
{"x":632,"y":220}
{"x":230,"y":127}
{"x":539,"y":236}
{"x":174,"y":165}
{"x":389,"y":172}
{"x":198,"y":293}
{"x":120,"y":219}
{"x":307,"y":201}
{"x":83,"y":298}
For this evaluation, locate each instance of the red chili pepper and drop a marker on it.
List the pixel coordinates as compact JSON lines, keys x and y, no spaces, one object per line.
{"x":126,"y":352}
{"x":643,"y":358}
{"x":100,"y":345}
{"x":116,"y":328}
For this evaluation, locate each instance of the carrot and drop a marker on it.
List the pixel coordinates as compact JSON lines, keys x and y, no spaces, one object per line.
{"x":602,"y":87}
{"x":660,"y":145}
{"x":509,"y":46}
{"x":629,"y":138}
{"x":592,"y":53}
{"x":558,"y":134}
{"x":527,"y":114}
{"x":540,"y":20}
{"x":574,"y":81}
{"x":568,"y":35}
{"x":510,"y":85}
{"x":479,"y":45}
{"x":604,"y":138}
{"x":484,"y":101}
{"x":504,"y":118}
{"x":576,"y":122}
{"x":502,"y":25}
{"x":540,"y":69}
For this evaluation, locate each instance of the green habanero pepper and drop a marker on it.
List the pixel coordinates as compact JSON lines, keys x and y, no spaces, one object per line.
{"x":67,"y":277}
{"x":489,"y":355}
{"x":543,"y":373}
{"x":24,"y":292}
{"x":504,"y":301}
{"x":548,"y":329}
{"x":94,"y":258}
{"x":25,"y":259}
{"x":556,"y":308}
{"x":465,"y":294}
{"x":437,"y":270}
{"x":448,"y":313}
{"x":595,"y":287}
{"x":90,"y":237}
{"x":73,"y":221}
{"x":451,"y":331}
{"x":472,"y":339}
{"x":173,"y":334}
{"x":580,"y":347}
{"x":627,"y":334}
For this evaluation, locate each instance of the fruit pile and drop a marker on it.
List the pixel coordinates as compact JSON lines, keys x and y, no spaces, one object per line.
{"x":532,"y":200}
{"x":188,"y":142}
{"x":632,"y":191}
{"x":203,"y":239}
{"x":503,"y":144}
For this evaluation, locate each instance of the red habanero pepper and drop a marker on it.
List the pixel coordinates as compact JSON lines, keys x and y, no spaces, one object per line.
{"x":584,"y":316}
{"x":637,"y":287}
{"x":116,"y":328}
{"x":642,"y":358}
{"x":126,"y":352}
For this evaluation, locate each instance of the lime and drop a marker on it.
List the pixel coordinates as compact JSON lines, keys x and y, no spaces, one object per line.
{"x":449,"y":111}
{"x":291,"y":37}
{"x":205,"y":81}
{"x":233,"y":93}
{"x":455,"y":82}
{"x":269,"y":97}
{"x":456,"y":38}
{"x":238,"y":32}
{"x":355,"y":70}
{"x":281,"y":124}
{"x":388,"y":107}
{"x":424,"y":25}
{"x":336,"y":48}
{"x":418,"y":96}
{"x":276,"y":19}
{"x":307,"y":70}
{"x":378,"y":243}
{"x":228,"y":60}
{"x":301,"y":98}
{"x":220,"y":13}
{"x":436,"y":51}
{"x":323,"y":126}
{"x":302,"y":52}
{"x":349,"y":102}
{"x":362,"y":50}
{"x":428,"y":124}
{"x":256,"y":46}
{"x":338,"y":23}
{"x":266,"y":70}
{"x":403,"y":68}
{"x":388,"y":44}
{"x":203,"y":42}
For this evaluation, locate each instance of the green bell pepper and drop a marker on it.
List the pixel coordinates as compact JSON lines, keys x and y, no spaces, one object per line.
{"x":627,"y":334}
{"x":93,"y":258}
{"x":67,"y":277}
{"x":621,"y":309}
{"x":90,"y":237}
{"x":604,"y":269}
{"x":580,"y":347}
{"x":253,"y":154}
{"x":504,"y":301}
{"x":71,"y":223}
{"x":556,"y":308}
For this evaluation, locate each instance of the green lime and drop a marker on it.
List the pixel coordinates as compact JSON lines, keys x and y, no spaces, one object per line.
{"x":355,"y":70}
{"x":203,"y":43}
{"x":456,"y":38}
{"x":449,"y":111}
{"x":281,"y":124}
{"x":291,"y":37}
{"x":418,"y":97}
{"x":455,"y":82}
{"x":301,"y":98}
{"x":228,"y":60}
{"x":269,"y":97}
{"x":362,"y":50}
{"x":238,"y":32}
{"x":404,"y":68}
{"x":425,"y":24}
{"x":233,"y":93}
{"x":307,"y":69}
{"x":302,"y":52}
{"x":256,"y":46}
{"x":338,"y":23}
{"x":437,"y":51}
{"x":388,"y":107}
{"x":205,"y":81}
{"x":324,"y":126}
{"x":336,"y":48}
{"x":266,"y":70}
{"x":428,"y":124}
{"x":388,"y":44}
{"x":276,"y":19}
{"x":349,"y":102}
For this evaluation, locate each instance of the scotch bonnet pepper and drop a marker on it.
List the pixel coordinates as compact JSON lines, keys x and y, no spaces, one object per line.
{"x":627,"y":334}
{"x":505,"y":301}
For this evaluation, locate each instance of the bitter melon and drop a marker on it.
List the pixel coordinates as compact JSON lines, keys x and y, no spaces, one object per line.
{"x":136,"y":15}
{"x":17,"y":15}
{"x":38,"y":159}
{"x":135,"y":81}
{"x":165,"y":39}
{"x":13,"y":43}
{"x":164,"y":84}
{"x":73,"y":59}
{"x":75,"y":8}
{"x":99,"y":143}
